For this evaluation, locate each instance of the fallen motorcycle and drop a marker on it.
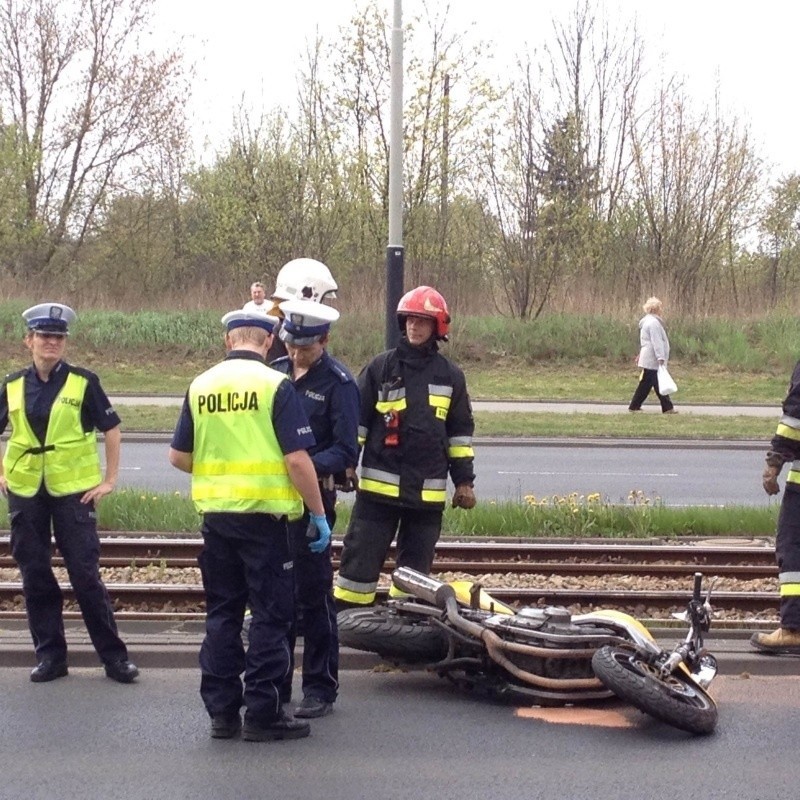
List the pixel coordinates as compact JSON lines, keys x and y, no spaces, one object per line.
{"x":667,"y":684}
{"x":536,"y":655}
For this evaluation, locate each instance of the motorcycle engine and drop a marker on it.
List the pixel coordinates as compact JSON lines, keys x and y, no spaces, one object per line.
{"x":532,"y":618}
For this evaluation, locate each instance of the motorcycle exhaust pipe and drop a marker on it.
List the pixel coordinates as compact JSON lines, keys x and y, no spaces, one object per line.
{"x":425,"y":587}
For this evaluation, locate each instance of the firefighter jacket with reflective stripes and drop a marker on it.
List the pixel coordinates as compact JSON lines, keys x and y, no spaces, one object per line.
{"x":67,"y":460}
{"x":415,"y":426}
{"x":237,"y":461}
{"x":785,"y":444}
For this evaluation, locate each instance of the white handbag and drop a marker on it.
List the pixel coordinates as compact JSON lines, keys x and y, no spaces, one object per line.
{"x":666,"y":385}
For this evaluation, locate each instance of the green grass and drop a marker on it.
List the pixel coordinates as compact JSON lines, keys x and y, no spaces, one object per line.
{"x":556,"y":357}
{"x":567,"y":516}
{"x":625,"y":425}
{"x":602,"y":382}
{"x":548,"y":424}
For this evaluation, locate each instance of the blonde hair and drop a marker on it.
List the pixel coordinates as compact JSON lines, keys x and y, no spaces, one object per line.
{"x":248,"y":334}
{"x":652,"y":306}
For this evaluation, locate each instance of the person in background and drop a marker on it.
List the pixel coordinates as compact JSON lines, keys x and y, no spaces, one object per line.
{"x":653,"y":351}
{"x":299,"y":279}
{"x":51,"y":476}
{"x":415,"y":426}
{"x":243,"y":436}
{"x":329,"y":396}
{"x":257,"y":303}
{"x":785,"y":447}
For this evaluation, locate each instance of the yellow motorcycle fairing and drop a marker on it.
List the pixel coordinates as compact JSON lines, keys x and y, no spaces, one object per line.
{"x":485,"y":600}
{"x":619,"y":619}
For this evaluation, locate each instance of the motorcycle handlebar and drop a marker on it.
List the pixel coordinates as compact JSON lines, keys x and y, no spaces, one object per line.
{"x":698,"y":581}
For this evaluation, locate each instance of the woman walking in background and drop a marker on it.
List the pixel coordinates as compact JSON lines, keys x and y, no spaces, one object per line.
{"x":653,"y":352}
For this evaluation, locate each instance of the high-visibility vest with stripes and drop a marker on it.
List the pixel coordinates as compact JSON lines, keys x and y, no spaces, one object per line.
{"x":789,"y":428}
{"x":67,"y":461}
{"x":237,"y":462}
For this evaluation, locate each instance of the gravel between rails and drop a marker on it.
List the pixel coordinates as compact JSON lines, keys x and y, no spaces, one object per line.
{"x":190,"y":576}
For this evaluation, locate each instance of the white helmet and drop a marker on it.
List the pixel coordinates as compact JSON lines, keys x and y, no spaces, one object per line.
{"x":304,"y":279}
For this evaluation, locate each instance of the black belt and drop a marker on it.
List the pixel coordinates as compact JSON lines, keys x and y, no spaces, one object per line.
{"x":34,"y":451}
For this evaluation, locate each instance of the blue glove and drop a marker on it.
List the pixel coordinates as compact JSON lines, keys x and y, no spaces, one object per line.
{"x":318,"y":533}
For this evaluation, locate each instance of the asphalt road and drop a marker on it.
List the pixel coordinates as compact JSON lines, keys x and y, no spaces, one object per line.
{"x":393,"y":735}
{"x":680,"y":475}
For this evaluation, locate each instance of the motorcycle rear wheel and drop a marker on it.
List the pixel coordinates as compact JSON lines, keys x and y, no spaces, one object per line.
{"x":400,"y":637}
{"x":676,"y":700}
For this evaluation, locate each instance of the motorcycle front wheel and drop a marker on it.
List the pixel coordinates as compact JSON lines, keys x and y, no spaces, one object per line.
{"x":676,"y":699}
{"x":395,"y":636}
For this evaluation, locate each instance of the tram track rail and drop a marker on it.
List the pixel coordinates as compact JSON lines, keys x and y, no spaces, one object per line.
{"x":617,"y":556}
{"x":490,"y":562}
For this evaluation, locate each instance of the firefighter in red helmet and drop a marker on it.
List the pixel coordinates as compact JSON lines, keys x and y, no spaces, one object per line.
{"x":415,"y":428}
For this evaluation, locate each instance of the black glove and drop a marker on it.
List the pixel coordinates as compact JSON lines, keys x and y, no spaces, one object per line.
{"x":346,"y":481}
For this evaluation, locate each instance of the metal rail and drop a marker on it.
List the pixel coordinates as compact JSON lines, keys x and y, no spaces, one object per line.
{"x":619,"y":557}
{"x":190,"y":598}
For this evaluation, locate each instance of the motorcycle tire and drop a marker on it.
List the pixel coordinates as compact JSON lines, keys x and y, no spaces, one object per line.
{"x":394,"y":636}
{"x":676,"y":700}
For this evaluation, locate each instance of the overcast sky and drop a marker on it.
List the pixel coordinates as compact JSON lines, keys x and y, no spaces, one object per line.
{"x":247,"y":49}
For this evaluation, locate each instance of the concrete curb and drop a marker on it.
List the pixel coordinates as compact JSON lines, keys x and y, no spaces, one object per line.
{"x":175,"y":645}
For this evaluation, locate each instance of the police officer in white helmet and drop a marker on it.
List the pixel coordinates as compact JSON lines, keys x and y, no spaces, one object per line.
{"x":299,"y":279}
{"x":329,"y":396}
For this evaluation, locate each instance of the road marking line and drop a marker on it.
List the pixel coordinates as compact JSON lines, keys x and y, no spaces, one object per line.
{"x":606,"y":474}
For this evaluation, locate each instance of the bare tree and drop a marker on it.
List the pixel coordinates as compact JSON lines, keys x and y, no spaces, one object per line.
{"x":697,"y":178}
{"x":88,"y":102}
{"x":445,"y":95}
{"x":780,"y":235}
{"x":514,"y":158}
{"x":595,"y":70}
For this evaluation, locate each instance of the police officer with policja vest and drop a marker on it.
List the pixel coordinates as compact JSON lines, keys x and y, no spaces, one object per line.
{"x":51,"y":476}
{"x":243,"y":436}
{"x":415,"y":426}
{"x":329,"y":396}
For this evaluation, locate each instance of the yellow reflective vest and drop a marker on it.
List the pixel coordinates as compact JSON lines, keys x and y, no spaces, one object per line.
{"x":67,"y":461}
{"x":237,"y":461}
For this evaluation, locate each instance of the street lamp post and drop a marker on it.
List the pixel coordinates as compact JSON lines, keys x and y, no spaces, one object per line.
{"x":394,"y":251}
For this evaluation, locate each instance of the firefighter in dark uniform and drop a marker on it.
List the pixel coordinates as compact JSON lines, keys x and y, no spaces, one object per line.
{"x":51,"y":476}
{"x":243,"y":436}
{"x":415,"y":426}
{"x":329,"y":396}
{"x":298,"y":279}
{"x":785,"y":447}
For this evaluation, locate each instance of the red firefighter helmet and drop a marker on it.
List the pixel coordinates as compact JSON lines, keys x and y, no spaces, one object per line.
{"x":425,"y":301}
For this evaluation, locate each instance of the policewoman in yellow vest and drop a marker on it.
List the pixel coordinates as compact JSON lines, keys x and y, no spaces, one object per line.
{"x":243,"y":436}
{"x":52,"y":478}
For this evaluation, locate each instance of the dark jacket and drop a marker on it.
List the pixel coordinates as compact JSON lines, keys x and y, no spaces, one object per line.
{"x":416,"y":426}
{"x":329,"y":396}
{"x":785,"y":444}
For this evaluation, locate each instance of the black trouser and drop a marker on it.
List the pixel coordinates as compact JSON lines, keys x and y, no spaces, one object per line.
{"x":787,"y":554}
{"x":369,"y":536}
{"x":239,"y":572}
{"x":75,"y":531}
{"x":648,"y":380}
{"x":315,"y":609}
